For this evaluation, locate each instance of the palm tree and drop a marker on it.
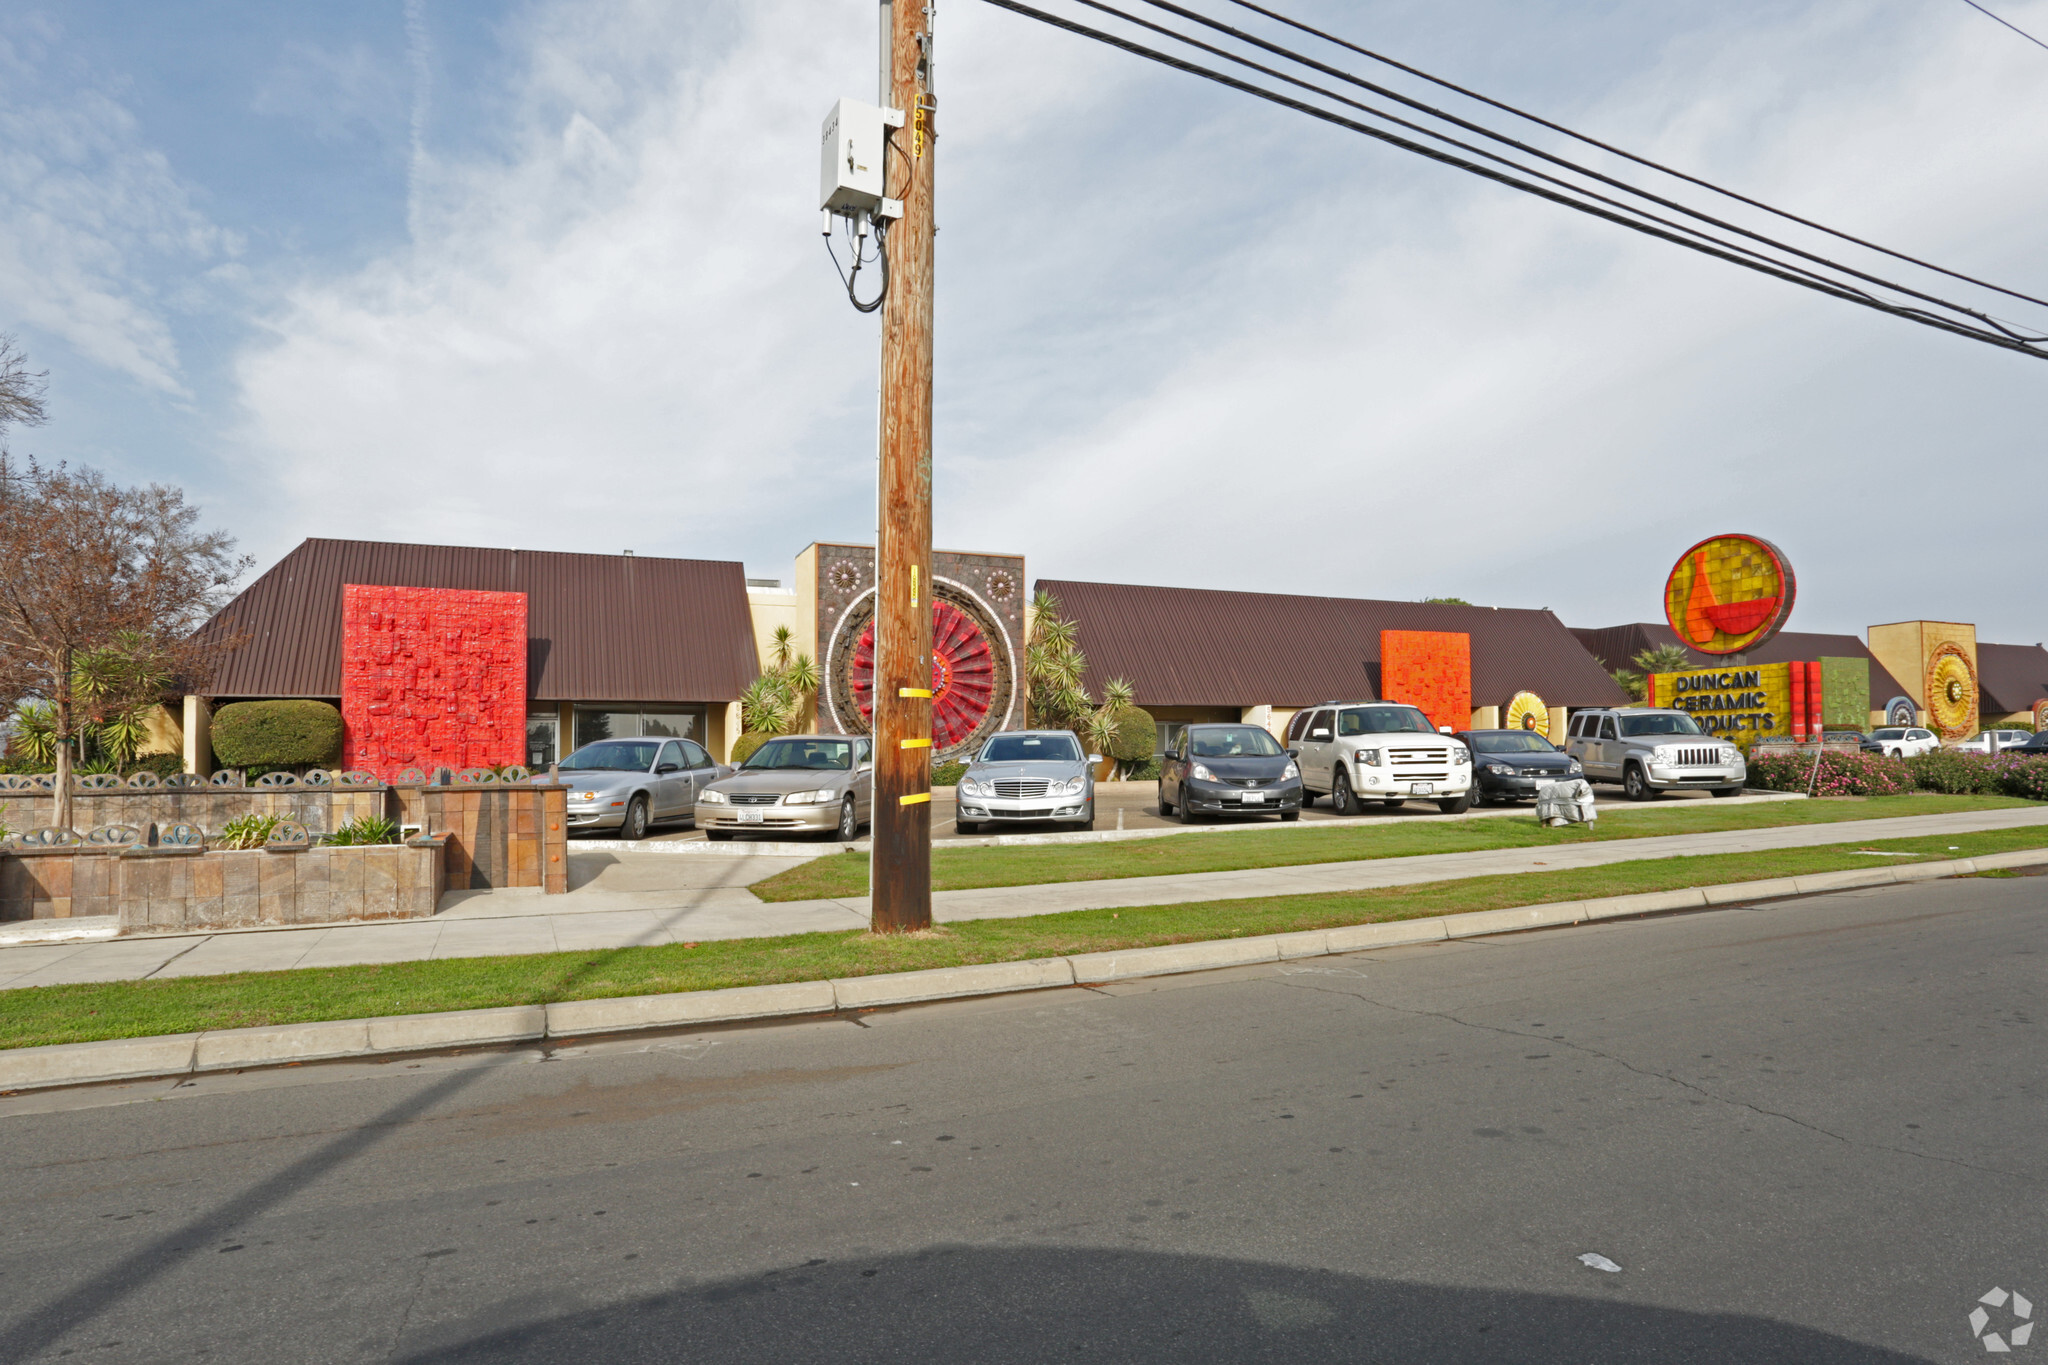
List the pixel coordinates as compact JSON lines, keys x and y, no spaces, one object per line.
{"x":1663,"y":659}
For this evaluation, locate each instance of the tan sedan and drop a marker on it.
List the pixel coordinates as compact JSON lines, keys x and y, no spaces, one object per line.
{"x":816,"y":784}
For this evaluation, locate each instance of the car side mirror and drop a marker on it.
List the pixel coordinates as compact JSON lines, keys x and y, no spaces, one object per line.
{"x":1294,"y":753}
{"x":668,"y":768}
{"x":1319,"y":734}
{"x":1095,"y":758}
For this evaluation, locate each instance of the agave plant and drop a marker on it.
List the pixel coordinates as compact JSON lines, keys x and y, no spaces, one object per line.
{"x":1663,"y":659}
{"x":766,"y":707}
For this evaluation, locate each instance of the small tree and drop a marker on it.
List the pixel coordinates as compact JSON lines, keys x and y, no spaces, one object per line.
{"x":102,"y":589}
{"x":780,"y":698}
{"x":1053,"y":668}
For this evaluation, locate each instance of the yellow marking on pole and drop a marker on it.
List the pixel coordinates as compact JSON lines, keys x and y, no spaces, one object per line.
{"x":914,"y":799}
{"x":913,"y":691}
{"x":913,"y":744}
{"x":913,"y":585}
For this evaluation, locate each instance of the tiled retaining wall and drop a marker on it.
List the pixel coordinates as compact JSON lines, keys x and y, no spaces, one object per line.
{"x":320,"y":809}
{"x":512,"y":835}
{"x":224,"y":889}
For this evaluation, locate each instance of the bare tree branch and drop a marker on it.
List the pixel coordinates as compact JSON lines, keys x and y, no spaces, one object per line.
{"x":21,"y":390}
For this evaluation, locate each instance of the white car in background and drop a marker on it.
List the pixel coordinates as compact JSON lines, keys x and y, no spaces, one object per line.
{"x":1897,"y":741}
{"x":1991,"y":741}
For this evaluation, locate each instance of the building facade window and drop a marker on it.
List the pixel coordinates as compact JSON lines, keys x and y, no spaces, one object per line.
{"x":594,"y":723}
{"x":543,"y":739}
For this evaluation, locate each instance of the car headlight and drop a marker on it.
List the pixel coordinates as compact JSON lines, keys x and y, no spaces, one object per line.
{"x":1369,"y":757}
{"x":969,"y":787}
{"x":1201,"y":774}
{"x":1461,"y":758}
{"x":1500,"y":770}
{"x":1071,"y":787}
{"x":1289,"y":773}
{"x":822,"y":796}
{"x":1573,"y":767}
{"x":711,"y":796}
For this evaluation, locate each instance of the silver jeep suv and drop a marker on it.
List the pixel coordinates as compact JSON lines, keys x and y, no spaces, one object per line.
{"x":1649,"y":751}
{"x":1360,"y":751}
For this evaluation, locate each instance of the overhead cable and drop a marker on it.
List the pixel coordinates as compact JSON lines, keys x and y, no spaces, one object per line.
{"x":1531,"y":181}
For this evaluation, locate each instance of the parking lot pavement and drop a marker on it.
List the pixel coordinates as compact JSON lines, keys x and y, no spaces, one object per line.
{"x":1135,"y":805}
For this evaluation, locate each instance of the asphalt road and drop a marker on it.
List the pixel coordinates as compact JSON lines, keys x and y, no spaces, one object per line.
{"x":1135,"y":805}
{"x":1809,"y":1132}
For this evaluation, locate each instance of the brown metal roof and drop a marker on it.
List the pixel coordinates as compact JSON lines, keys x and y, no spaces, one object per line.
{"x":600,"y":627}
{"x":1619,"y":645}
{"x":2011,"y":677}
{"x":1196,"y":647}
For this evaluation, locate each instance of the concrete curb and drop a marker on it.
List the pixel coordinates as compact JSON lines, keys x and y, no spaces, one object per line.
{"x":180,"y":1054}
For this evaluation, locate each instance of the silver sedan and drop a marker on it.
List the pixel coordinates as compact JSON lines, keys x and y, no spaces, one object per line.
{"x":629,"y":784}
{"x":1028,"y":775}
{"x":794,"y":784}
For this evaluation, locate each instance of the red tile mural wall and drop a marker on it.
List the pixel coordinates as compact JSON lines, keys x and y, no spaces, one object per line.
{"x":432,"y":677}
{"x":1431,"y":669}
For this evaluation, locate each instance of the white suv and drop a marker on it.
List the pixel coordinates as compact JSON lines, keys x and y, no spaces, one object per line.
{"x":1359,"y":751}
{"x":1649,"y":751}
{"x":1902,"y":741}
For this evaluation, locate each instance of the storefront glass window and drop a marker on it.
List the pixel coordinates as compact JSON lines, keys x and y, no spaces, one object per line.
{"x":596,"y":723}
{"x":541,"y":737}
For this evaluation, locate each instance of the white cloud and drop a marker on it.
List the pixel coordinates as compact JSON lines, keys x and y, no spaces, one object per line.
{"x":89,"y":214}
{"x":1182,"y":338}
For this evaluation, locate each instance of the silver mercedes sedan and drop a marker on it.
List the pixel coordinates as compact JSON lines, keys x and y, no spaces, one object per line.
{"x":794,"y":783}
{"x":1027,"y":775}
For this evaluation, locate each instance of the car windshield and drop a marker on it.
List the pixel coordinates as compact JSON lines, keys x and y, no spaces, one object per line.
{"x":1236,"y":741}
{"x":1635,"y":727}
{"x":1383,"y":720}
{"x":613,"y":755}
{"x":801,"y":753}
{"x":1513,"y":742}
{"x":1887,"y":734}
{"x":1031,"y":749}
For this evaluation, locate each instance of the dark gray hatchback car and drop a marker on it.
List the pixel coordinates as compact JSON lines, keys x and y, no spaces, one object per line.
{"x":1228,"y":770}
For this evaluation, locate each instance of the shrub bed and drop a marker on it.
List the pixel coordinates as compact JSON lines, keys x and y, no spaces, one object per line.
{"x":1842,"y":773}
{"x":2023,"y":777}
{"x":1957,"y":774}
{"x":276,"y":734}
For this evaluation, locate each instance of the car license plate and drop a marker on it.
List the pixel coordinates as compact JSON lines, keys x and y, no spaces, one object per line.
{"x":1421,"y":788}
{"x":749,"y":817}
{"x":1253,"y":798}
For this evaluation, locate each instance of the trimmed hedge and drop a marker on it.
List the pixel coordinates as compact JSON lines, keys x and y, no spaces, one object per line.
{"x":1956,"y":774}
{"x":1136,"y":737}
{"x":745,"y":745}
{"x":1842,"y":773}
{"x":277,"y":734}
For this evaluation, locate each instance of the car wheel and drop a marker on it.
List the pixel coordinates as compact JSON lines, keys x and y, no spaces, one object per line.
{"x":1457,"y":805}
{"x":1165,"y":808}
{"x":1634,"y":784}
{"x":967,"y":826}
{"x":1394,"y":802}
{"x":718,"y":836}
{"x":1089,"y":823}
{"x":1308,"y":798}
{"x":1478,"y":797}
{"x":1186,"y":813}
{"x":1342,"y":799}
{"x":1727,"y":791}
{"x":849,"y":823}
{"x":634,"y":826}
{"x":1288,"y":817}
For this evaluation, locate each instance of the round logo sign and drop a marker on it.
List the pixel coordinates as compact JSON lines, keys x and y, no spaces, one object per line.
{"x":1526,"y":711}
{"x":1729,"y":593}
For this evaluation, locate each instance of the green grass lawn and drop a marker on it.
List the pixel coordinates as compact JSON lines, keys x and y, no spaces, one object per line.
{"x":965,"y":869}
{"x":85,"y":1013}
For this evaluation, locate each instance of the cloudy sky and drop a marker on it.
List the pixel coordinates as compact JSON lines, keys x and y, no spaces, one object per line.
{"x":549,"y":275}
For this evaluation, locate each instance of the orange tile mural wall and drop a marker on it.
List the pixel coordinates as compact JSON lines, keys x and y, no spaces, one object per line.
{"x":432,"y":677}
{"x":1431,"y":669}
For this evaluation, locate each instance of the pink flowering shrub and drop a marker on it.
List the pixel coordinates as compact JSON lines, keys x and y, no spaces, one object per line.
{"x":1842,"y":773}
{"x":1954,"y":773}
{"x":2027,"y":777}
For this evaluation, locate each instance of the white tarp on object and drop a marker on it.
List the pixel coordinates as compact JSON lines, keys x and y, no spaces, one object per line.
{"x":1565,"y":803}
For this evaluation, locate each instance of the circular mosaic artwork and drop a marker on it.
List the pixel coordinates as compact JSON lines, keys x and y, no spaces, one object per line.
{"x":1526,"y":711}
{"x":1729,"y":593}
{"x":1951,"y":693}
{"x":972,"y":676}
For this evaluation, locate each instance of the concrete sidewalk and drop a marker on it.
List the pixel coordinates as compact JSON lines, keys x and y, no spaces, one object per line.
{"x":625,"y":900}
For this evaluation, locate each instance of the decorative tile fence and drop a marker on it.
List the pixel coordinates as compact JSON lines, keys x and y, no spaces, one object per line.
{"x":320,"y":809}
{"x":169,"y":889}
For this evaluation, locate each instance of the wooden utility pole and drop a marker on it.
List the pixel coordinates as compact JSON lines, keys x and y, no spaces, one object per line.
{"x":902,"y":868}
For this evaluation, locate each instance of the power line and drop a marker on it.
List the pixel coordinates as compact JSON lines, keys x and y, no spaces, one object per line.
{"x":1982,"y":328}
{"x":2008,"y":23}
{"x":1626,"y":155}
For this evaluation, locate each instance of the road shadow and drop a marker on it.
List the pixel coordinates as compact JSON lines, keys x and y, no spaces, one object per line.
{"x":955,"y":1304}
